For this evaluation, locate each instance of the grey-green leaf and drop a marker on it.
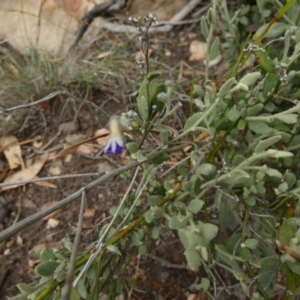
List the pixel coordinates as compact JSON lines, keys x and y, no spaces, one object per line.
{"x":204,"y":27}
{"x":132,"y":147}
{"x":264,"y":144}
{"x":214,"y":50}
{"x":250,"y":78}
{"x":287,"y":118}
{"x":225,"y":88}
{"x":259,"y":127}
{"x":192,"y":121}
{"x":143,"y":108}
{"x":46,"y":268}
{"x":251,"y":243}
{"x":193,"y":258}
{"x":204,"y":284}
{"x":195,"y":206}
{"x":81,"y":289}
{"x":233,"y":114}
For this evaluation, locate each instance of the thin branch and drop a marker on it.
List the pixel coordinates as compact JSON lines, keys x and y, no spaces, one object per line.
{"x":22,"y":182}
{"x":50,"y":96}
{"x":103,"y":236}
{"x":97,"y":11}
{"x":65,"y":295}
{"x":7,"y":233}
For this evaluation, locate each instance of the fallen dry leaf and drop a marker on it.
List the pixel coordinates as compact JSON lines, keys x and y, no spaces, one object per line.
{"x":67,"y":127}
{"x":53,"y":223}
{"x":37,"y":144}
{"x":55,"y":170}
{"x":12,"y":150}
{"x":53,"y":214}
{"x":46,"y":184}
{"x":104,"y":54}
{"x":26,"y":174}
{"x":85,"y":149}
{"x":45,"y":246}
{"x":103,"y":140}
{"x":68,"y":158}
{"x":89,"y":213}
{"x":197,"y":50}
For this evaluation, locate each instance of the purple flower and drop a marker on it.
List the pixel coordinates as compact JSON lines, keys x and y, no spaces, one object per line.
{"x":115,"y":143}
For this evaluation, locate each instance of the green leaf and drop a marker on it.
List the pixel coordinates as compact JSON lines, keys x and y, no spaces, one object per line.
{"x":164,"y":137}
{"x":285,"y":233}
{"x":225,"y":213}
{"x":91,"y":272}
{"x":143,"y":250}
{"x":214,"y":50}
{"x":192,"y":121}
{"x":199,"y":90}
{"x":155,"y":232}
{"x":250,"y":78}
{"x":81,"y":289}
{"x":233,"y":114}
{"x":264,"y":60}
{"x":238,"y":176}
{"x":154,"y":74}
{"x":193,"y":258}
{"x":251,"y":243}
{"x":135,"y":238}
{"x":208,"y":231}
{"x":283,"y":187}
{"x":273,"y":173}
{"x":241,"y":124}
{"x":46,"y":255}
{"x":182,"y":234}
{"x":250,"y":201}
{"x":238,"y":159}
{"x":25,"y":288}
{"x":269,"y":263}
{"x":143,"y":107}
{"x":157,"y":212}
{"x":160,"y":158}
{"x":195,"y":206}
{"x":295,"y":267}
{"x":204,"y":284}
{"x":149,"y":217}
{"x":140,"y":157}
{"x":206,"y":169}
{"x":154,"y":90}
{"x":245,"y":254}
{"x":270,"y":83}
{"x":287,"y":118}
{"x":254,"y":110}
{"x":155,"y":200}
{"x":177,"y":222}
{"x":291,"y":179}
{"x":204,"y":27}
{"x":74,"y":295}
{"x":264,"y":144}
{"x":225,"y":88}
{"x":278,"y":154}
{"x":259,"y":127}
{"x":46,"y":268}
{"x":132,"y":147}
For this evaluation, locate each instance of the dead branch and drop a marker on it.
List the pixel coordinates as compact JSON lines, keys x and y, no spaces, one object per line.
{"x":97,"y":11}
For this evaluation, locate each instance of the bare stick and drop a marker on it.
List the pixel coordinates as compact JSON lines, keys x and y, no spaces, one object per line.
{"x":97,"y":11}
{"x":103,"y":236}
{"x":22,"y":182}
{"x":50,"y":96}
{"x":65,"y":295}
{"x":5,"y":234}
